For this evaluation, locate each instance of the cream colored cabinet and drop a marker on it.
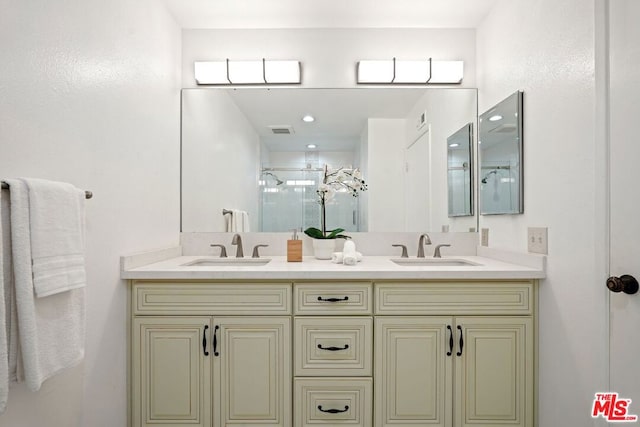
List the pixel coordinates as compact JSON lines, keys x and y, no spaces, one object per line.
{"x":431,"y":353}
{"x":252,"y":371}
{"x":494,"y":372}
{"x":171,"y":381}
{"x":458,"y":370}
{"x":211,"y":371}
{"x":413,"y":371}
{"x":333,"y":354}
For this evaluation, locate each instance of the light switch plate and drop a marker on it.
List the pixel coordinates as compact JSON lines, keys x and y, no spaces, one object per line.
{"x":484,"y":237}
{"x":537,"y":240}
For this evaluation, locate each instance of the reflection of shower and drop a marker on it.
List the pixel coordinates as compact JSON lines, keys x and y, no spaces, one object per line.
{"x":486,"y":177}
{"x":278,"y":180}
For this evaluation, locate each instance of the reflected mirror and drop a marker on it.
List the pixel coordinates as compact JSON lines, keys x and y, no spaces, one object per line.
{"x":253,"y":150}
{"x":500,"y":148}
{"x":460,"y":171}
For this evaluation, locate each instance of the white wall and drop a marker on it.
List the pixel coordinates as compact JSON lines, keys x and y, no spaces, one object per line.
{"x":89,"y":94}
{"x":385,"y":145}
{"x":329,"y":56}
{"x":447,"y":111}
{"x":546,"y":49}
{"x":217,"y":141}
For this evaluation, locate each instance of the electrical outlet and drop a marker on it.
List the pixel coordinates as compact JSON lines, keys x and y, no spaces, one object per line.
{"x":537,"y":240}
{"x":484,"y":237}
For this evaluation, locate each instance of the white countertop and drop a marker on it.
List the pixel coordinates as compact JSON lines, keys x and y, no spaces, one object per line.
{"x":370,"y":268}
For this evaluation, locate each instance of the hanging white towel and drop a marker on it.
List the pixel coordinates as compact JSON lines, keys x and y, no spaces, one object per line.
{"x":56,"y":220}
{"x":50,"y":329}
{"x":239,"y":221}
{"x":6,"y":277}
{"x":5,"y":298}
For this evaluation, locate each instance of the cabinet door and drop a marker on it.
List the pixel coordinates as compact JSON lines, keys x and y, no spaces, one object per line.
{"x":252,"y":371}
{"x":413,"y":371}
{"x":171,"y":374}
{"x":494,"y":373}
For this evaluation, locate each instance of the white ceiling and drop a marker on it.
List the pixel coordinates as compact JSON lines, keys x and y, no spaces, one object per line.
{"x":341,"y":114}
{"x":329,"y":13}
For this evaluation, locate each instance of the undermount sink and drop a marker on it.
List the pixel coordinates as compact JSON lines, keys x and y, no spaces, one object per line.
{"x":228,"y":262}
{"x":433,"y":262}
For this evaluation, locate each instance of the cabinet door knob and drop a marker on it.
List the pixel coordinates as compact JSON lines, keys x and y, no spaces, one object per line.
{"x":450,"y":352}
{"x":459,"y":353}
{"x":625,"y":283}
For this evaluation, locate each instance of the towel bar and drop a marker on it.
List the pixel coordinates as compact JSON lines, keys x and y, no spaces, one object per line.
{"x":87,"y":194}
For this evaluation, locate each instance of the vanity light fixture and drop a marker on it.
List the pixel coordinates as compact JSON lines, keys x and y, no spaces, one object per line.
{"x":311,"y":146}
{"x":247,"y":72}
{"x":409,"y":72}
{"x":495,"y":118}
{"x":454,"y":145}
{"x":308,"y":118}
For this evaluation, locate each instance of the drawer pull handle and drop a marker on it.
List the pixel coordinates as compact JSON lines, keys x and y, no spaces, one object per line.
{"x":346,"y":346}
{"x":459,"y":353}
{"x":215,"y":341}
{"x":333,"y":411}
{"x":333,"y":299}
{"x":450,"y":352}
{"x":204,"y":340}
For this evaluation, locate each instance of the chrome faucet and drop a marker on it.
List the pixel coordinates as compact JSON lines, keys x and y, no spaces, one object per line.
{"x":423,"y":240}
{"x":237,"y":240}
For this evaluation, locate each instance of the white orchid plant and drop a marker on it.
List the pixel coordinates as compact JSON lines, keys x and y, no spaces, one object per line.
{"x":335,"y":180}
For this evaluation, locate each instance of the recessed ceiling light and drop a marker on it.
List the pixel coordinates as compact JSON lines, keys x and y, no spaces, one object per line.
{"x":311,"y":145}
{"x":454,"y":145}
{"x":308,"y":118}
{"x":495,"y":118}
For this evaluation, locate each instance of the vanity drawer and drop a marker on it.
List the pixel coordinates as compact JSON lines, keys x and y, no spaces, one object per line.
{"x":333,"y":346}
{"x":205,"y":298}
{"x":322,"y":298}
{"x":333,"y":401}
{"x":455,"y":298}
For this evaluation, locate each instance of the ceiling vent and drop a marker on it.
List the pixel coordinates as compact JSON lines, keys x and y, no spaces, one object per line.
{"x":281,"y":129}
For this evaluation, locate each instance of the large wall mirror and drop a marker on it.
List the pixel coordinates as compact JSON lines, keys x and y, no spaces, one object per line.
{"x":252,"y":149}
{"x":500,"y":147}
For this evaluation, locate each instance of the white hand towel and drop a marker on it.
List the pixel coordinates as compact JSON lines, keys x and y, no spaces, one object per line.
{"x":245,"y":221}
{"x":56,"y":216}
{"x":239,"y":221}
{"x":50,"y":329}
{"x":5,"y":315}
{"x":349,"y":247}
{"x":350,"y":259}
{"x":338,"y":257}
{"x":11,"y":314}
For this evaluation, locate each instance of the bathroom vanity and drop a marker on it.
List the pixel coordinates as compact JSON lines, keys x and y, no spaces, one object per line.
{"x":314,"y":343}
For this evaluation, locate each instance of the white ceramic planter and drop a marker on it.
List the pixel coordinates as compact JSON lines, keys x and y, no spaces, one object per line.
{"x":323,"y":248}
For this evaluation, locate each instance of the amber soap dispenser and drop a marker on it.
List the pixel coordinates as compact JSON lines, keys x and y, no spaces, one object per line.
{"x":294,"y":248}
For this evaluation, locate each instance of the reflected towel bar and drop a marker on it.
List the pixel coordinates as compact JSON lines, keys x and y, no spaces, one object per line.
{"x":87,"y":194}
{"x":226,"y":211}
